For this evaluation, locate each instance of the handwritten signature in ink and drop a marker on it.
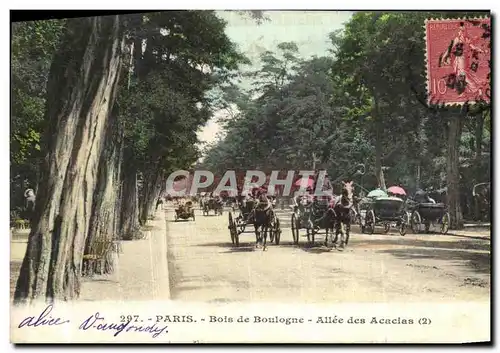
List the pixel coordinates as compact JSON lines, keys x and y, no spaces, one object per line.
{"x":97,"y":322}
{"x":44,"y":319}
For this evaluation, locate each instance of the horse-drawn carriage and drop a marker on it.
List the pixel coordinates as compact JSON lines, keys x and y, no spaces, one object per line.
{"x":258,"y":214}
{"x":425,"y":214}
{"x":328,"y":216}
{"x":184,"y":211}
{"x":212,"y":204}
{"x":383,"y":211}
{"x":313,"y":217}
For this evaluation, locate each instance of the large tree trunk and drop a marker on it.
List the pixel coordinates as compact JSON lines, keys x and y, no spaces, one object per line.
{"x":103,"y":225}
{"x":80,"y":94}
{"x":119,"y":177}
{"x":453,"y":170}
{"x":379,"y":172}
{"x":150,"y":191}
{"x":129,"y":217}
{"x":478,"y":137}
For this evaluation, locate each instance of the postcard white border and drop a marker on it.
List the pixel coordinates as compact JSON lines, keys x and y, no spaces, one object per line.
{"x":220,"y":4}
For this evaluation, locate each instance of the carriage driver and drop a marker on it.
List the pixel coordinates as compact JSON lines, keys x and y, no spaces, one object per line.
{"x":304,"y":198}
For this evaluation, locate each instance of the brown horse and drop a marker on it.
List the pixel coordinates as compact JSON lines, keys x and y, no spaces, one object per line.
{"x":342,"y":210}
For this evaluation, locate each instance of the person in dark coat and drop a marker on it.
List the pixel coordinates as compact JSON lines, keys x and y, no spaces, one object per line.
{"x":422,"y":197}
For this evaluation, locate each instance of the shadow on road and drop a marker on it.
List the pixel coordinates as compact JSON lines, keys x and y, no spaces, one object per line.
{"x":479,"y":262}
{"x":97,"y":279}
{"x":317,"y":249}
{"x":470,"y":244}
{"x":467,"y":236}
{"x":286,"y":244}
{"x":226,"y":244}
{"x":242,"y":249}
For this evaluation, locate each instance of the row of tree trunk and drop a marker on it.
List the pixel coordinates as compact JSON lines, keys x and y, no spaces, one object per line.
{"x":87,"y":192}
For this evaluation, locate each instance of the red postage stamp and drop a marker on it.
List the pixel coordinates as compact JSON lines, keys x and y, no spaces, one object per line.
{"x":458,"y":60}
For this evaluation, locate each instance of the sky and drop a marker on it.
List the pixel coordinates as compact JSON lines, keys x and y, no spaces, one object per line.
{"x":308,"y":29}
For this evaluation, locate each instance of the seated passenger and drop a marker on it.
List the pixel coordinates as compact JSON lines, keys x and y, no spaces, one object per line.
{"x":303,"y":198}
{"x":423,"y":197}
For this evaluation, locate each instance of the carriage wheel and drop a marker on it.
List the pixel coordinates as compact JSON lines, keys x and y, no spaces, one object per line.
{"x":445,"y":223}
{"x":236,"y":236}
{"x":231,"y":227}
{"x":310,"y":232}
{"x":387,"y":227}
{"x":416,"y":222}
{"x":329,"y":237}
{"x":370,"y":222}
{"x":277,"y":232}
{"x":405,"y":221}
{"x":295,"y":229}
{"x":402,"y":228}
{"x":271,"y":233}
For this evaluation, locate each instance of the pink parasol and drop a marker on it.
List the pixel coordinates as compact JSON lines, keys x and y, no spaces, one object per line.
{"x":305,"y":183}
{"x":396,"y":190}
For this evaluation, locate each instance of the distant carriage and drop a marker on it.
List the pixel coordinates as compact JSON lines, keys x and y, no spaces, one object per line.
{"x":232,"y":203}
{"x":383,"y":211}
{"x":212,"y":204}
{"x":245,"y":217}
{"x":425,"y":214}
{"x":184,"y":212}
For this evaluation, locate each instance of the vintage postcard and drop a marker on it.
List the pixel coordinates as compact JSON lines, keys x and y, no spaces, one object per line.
{"x":254,"y":176}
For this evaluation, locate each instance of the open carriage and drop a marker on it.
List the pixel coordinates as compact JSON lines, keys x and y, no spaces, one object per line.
{"x":425,"y":214}
{"x":184,"y":211}
{"x":312,"y":217}
{"x":212,"y":204}
{"x":238,"y":223}
{"x":383,"y":211}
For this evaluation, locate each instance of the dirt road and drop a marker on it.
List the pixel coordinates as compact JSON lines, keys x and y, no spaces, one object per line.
{"x":204,"y":266}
